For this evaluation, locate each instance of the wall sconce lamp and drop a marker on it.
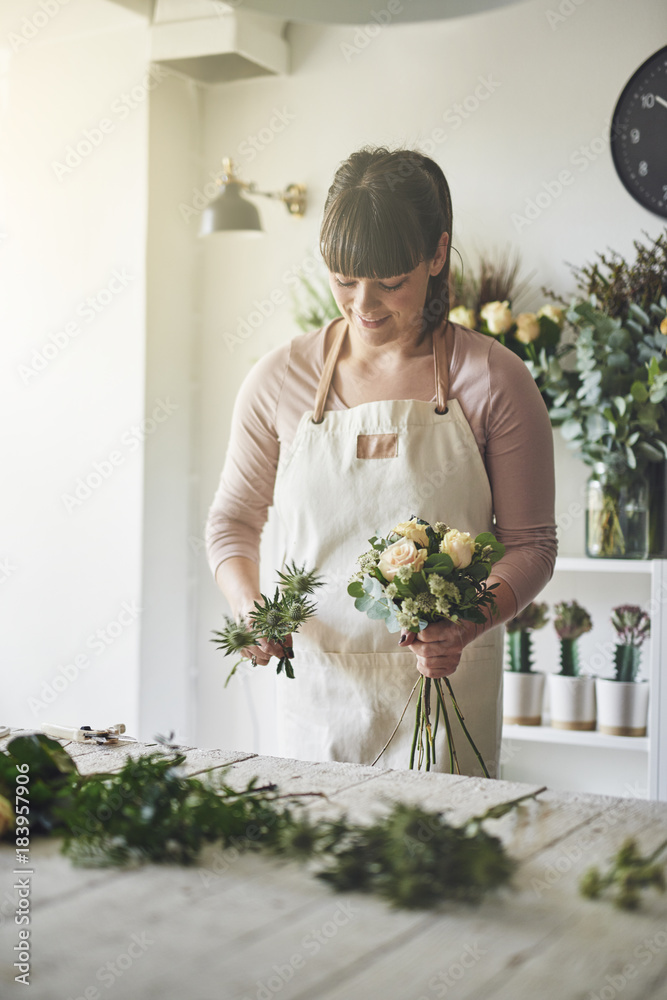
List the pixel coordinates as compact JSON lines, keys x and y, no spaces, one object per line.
{"x":231,"y":211}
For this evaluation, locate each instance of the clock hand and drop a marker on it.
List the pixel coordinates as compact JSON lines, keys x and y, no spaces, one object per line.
{"x":661,"y":100}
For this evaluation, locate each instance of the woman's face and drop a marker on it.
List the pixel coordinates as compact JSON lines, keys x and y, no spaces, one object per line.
{"x":385,"y":309}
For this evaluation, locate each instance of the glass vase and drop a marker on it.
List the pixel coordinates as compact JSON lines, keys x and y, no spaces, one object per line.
{"x":617,"y":515}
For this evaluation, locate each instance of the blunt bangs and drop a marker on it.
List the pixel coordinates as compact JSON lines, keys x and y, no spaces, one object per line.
{"x":366,"y":235}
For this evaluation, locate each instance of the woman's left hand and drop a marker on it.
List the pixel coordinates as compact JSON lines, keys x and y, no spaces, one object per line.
{"x":439,"y":646}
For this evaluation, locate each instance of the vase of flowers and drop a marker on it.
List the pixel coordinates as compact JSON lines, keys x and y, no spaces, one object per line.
{"x":523,"y":687}
{"x":607,"y":391}
{"x":571,"y":694}
{"x":623,"y":699}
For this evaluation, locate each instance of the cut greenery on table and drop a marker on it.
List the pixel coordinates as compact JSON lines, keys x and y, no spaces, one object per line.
{"x":415,"y":575}
{"x":152,"y":811}
{"x":272,"y":619}
{"x":628,"y":874}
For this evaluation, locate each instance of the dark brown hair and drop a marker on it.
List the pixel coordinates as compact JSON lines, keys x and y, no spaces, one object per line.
{"x":384,"y":214}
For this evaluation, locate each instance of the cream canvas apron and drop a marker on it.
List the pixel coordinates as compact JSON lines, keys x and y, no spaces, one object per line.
{"x":348,"y":475}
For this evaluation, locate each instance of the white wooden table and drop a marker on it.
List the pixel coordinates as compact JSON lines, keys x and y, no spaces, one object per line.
{"x":243,"y":927}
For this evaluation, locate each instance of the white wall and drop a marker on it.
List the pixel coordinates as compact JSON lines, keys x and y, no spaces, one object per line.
{"x":71,"y":568}
{"x":551,"y":89}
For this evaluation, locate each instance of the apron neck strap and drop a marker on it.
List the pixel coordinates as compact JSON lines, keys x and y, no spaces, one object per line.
{"x":440,"y":362}
{"x":327,"y":373}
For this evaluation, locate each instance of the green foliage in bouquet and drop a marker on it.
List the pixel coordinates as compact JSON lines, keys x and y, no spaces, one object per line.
{"x":272,"y":619}
{"x":441,"y":576}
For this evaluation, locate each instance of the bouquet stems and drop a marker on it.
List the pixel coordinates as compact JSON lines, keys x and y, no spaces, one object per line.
{"x":423,"y":736}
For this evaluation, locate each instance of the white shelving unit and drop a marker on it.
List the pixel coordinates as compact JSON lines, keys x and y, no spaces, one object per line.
{"x":594,"y":577}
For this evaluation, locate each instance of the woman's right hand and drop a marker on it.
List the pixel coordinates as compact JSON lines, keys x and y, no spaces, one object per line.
{"x":264,"y":650}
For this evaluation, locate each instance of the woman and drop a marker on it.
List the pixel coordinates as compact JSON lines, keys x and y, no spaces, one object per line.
{"x":388,"y":412}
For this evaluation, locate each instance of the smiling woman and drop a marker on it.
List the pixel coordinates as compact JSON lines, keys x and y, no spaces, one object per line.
{"x":466,"y":440}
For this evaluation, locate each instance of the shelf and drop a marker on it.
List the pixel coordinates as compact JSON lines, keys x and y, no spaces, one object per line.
{"x":545,"y":734}
{"x":583,"y":563}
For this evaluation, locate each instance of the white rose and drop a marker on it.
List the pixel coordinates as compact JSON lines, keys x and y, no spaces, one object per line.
{"x":553,"y":313}
{"x":498,"y":316}
{"x":463,"y":316}
{"x":401,"y":554}
{"x":459,"y":546}
{"x":413,"y":532}
{"x":527,"y":328}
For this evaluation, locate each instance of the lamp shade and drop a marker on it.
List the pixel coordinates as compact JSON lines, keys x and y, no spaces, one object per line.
{"x":230,"y":212}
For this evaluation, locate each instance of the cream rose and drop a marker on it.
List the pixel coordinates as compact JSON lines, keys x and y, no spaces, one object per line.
{"x":553,"y":313}
{"x":413,"y":532}
{"x":463,"y":316}
{"x":400,"y":554}
{"x":459,"y":546}
{"x":527,"y":328}
{"x":497,"y":316}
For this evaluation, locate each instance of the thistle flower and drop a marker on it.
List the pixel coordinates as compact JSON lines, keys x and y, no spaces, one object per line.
{"x":632,"y":624}
{"x":234,"y":637}
{"x":571,"y":620}
{"x":531,"y":618}
{"x":295,"y":580}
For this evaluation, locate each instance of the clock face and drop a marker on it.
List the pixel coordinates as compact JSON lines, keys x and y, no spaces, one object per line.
{"x":639,"y":134}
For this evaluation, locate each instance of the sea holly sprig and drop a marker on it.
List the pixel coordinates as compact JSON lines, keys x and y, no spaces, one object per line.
{"x":628,"y":875}
{"x":272,"y":619}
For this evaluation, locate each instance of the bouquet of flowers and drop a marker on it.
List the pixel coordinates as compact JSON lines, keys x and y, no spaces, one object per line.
{"x":273,"y":619}
{"x":418,"y":574}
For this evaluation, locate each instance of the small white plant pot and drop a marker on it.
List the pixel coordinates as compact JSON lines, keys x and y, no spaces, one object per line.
{"x":622,"y":707}
{"x":522,"y":698}
{"x":572,"y":702}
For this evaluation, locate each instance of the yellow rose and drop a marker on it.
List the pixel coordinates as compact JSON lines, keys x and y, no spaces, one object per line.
{"x":463,"y":316}
{"x":663,"y":326}
{"x":553,"y":313}
{"x":400,"y":554}
{"x":459,"y":546}
{"x":413,"y":532}
{"x":497,"y":316}
{"x":527,"y":328}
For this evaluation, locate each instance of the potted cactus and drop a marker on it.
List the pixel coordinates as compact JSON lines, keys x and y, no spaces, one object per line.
{"x":523,"y":687}
{"x":623,"y":699}
{"x":572,"y":695}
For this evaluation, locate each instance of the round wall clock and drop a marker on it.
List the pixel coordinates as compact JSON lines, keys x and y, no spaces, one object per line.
{"x":639,"y":134}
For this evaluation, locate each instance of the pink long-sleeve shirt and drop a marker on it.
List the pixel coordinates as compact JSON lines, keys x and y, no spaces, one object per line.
{"x":500,"y":401}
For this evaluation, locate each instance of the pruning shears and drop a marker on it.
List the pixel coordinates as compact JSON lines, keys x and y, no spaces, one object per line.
{"x":85,"y":734}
